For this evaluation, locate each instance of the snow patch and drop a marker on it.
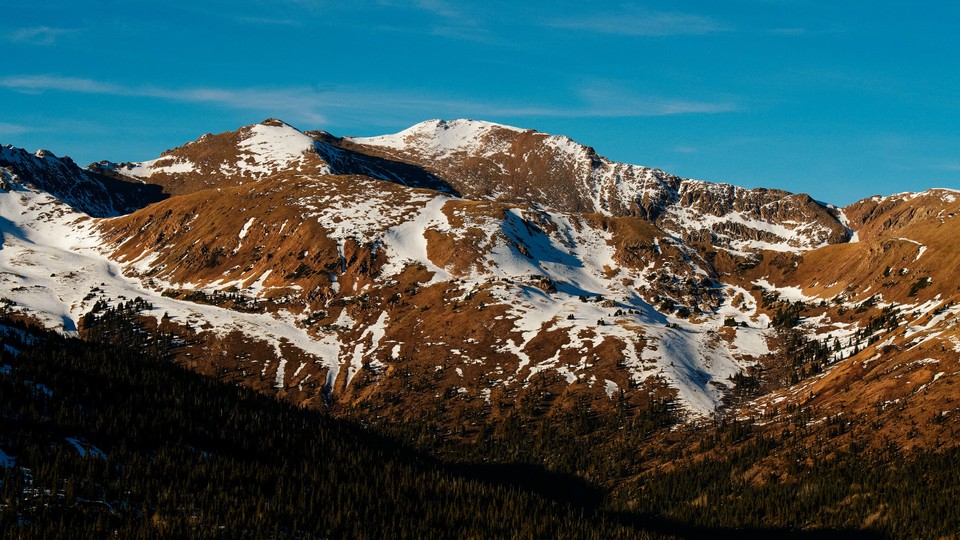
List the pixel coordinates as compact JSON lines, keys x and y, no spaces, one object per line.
{"x":406,"y":243}
{"x":845,"y":221}
{"x":791,"y":294}
{"x":611,"y":388}
{"x":86,"y":449}
{"x":246,"y":228}
{"x":163,"y":165}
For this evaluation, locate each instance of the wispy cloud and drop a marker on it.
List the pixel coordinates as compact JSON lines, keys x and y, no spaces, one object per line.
{"x":441,"y":8}
{"x":271,"y":21}
{"x":318,"y":104}
{"x":640,"y":22}
{"x":38,"y":35}
{"x":456,"y":21}
{"x":12,"y":129}
{"x":465,"y":32}
{"x":611,"y":99}
{"x":444,"y":19}
{"x":788,"y":31}
{"x":68,"y":84}
{"x":301,"y":101}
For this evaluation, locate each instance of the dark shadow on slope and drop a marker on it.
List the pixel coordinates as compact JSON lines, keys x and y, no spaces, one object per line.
{"x":68,"y":324}
{"x":345,"y":160}
{"x":532,"y":478}
{"x":8,"y":227}
{"x":528,"y":241}
{"x":127,"y":195}
{"x":537,"y":245}
{"x":555,"y":486}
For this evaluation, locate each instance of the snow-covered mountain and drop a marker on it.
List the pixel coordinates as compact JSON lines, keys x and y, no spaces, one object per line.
{"x":491,"y":161}
{"x":477,"y":263}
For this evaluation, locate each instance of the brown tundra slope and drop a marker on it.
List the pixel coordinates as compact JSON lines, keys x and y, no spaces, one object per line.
{"x":885,"y":306}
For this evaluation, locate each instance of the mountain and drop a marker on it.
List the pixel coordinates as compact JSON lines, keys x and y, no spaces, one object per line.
{"x":733,"y":361}
{"x":464,"y":268}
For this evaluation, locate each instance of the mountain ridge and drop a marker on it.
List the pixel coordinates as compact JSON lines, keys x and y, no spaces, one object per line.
{"x":552,"y":171}
{"x":486,"y":160}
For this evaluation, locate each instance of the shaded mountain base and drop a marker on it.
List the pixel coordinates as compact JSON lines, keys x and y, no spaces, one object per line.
{"x":111,"y":438}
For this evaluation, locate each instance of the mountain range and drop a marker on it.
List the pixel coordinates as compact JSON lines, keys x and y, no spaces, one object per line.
{"x":460,"y":268}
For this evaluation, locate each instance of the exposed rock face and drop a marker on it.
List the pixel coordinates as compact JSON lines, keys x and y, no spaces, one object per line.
{"x":877,"y":215}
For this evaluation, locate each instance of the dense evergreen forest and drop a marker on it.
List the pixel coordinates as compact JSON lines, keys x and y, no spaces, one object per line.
{"x":107,"y":437}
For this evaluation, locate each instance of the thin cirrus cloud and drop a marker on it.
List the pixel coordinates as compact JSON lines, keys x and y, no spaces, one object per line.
{"x":38,"y":83}
{"x":445,"y":20}
{"x":271,"y":21}
{"x":638,"y":22}
{"x":608,"y":98}
{"x":12,"y":129}
{"x":292,"y":101}
{"x":439,"y":8}
{"x":37,"y":35}
{"x":316,"y":104}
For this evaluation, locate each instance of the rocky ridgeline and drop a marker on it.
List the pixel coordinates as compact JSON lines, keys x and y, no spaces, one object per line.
{"x":488,"y":161}
{"x":91,"y":191}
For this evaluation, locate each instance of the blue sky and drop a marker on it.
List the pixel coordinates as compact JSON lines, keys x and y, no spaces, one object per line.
{"x":841,"y":100}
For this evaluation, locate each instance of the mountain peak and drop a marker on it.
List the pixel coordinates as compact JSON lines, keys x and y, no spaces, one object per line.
{"x":254,"y":152}
{"x":275,"y":142}
{"x":484,"y":160}
{"x":440,"y":138}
